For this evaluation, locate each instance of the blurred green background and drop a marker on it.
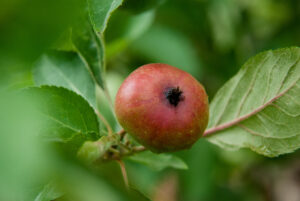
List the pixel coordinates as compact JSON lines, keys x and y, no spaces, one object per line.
{"x":210,"y":39}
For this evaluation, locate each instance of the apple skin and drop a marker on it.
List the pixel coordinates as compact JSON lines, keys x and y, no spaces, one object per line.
{"x":145,"y":110}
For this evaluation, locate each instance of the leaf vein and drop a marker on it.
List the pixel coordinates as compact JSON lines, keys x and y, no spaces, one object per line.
{"x":246,"y":116}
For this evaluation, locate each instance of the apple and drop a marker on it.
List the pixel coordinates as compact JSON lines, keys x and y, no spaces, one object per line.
{"x":162,"y":107}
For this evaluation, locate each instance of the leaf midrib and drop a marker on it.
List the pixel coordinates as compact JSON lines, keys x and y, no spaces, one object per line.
{"x":246,"y":116}
{"x":62,"y":74}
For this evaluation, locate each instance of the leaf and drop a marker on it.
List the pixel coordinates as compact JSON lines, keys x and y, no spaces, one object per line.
{"x":224,"y":17}
{"x":124,"y":29}
{"x":67,"y":116}
{"x":164,"y":45}
{"x":49,"y":192}
{"x":65,"y":69}
{"x":139,"y":194}
{"x":100,"y":11}
{"x":24,"y":159}
{"x":158,"y":161}
{"x":85,"y":37}
{"x":141,"y":6}
{"x":259,"y":107}
{"x":25,"y":33}
{"x":64,"y":42}
{"x":83,"y":184}
{"x":90,"y":49}
{"x":203,"y":160}
{"x":136,"y":25}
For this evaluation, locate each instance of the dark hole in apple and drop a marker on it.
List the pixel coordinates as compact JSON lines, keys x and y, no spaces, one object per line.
{"x":174,"y":95}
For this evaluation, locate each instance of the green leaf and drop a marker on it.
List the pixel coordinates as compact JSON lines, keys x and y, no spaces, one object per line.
{"x":259,"y":107}
{"x":65,"y":69}
{"x":49,"y":192}
{"x":64,"y":42}
{"x":90,"y":49}
{"x":142,"y":5}
{"x":100,"y":11}
{"x":85,"y":185}
{"x":164,"y":45}
{"x":86,"y":37}
{"x":224,"y":17}
{"x":158,"y":161}
{"x":124,"y":28}
{"x":68,"y":118}
{"x":25,"y":161}
{"x":203,"y":160}
{"x":139,"y":194}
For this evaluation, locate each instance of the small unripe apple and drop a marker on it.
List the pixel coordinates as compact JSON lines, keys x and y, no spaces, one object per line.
{"x":162,"y":107}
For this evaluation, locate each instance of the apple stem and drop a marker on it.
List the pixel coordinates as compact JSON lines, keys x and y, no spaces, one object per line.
{"x":124,"y":173}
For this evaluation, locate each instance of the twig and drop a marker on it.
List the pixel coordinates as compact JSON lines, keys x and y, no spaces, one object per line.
{"x":106,"y":93}
{"x":124,"y":173}
{"x":139,"y":149}
{"x":124,"y":147}
{"x":109,"y":129}
{"x":127,"y":153}
{"x":121,"y":133}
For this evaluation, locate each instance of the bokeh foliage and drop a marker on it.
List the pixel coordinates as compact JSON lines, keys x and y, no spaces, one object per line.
{"x":210,"y":39}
